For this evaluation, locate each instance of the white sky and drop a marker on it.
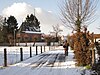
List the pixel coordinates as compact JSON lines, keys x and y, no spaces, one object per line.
{"x":45,"y":12}
{"x":47,"y":18}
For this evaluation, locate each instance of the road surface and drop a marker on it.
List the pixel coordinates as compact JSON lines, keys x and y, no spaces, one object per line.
{"x":53,"y":62}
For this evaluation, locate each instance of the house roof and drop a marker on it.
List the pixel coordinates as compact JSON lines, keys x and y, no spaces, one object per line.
{"x":96,"y":35}
{"x":31,"y":32}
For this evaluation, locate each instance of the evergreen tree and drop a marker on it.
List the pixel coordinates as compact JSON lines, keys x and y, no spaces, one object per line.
{"x":12,"y":29}
{"x":1,"y":26}
{"x":7,"y":26}
{"x":5,"y":31}
{"x":12,"y":24}
{"x":1,"y":37}
{"x":30,"y":24}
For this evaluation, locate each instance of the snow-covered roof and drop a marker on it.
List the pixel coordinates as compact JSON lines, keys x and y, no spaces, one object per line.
{"x":31,"y":32}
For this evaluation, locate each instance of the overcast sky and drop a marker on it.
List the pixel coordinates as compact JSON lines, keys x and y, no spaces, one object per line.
{"x":47,"y":11}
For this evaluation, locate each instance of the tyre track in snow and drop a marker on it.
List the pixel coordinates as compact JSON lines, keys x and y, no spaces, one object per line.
{"x":40,"y":62}
{"x":49,"y":64}
{"x":58,"y":64}
{"x":61,"y":60}
{"x":22,"y":67}
{"x":35,"y":66}
{"x":38,"y":70}
{"x":26,"y":68}
{"x":49,"y":60}
{"x":53,"y":62}
{"x":29,"y":67}
{"x":32,"y":67}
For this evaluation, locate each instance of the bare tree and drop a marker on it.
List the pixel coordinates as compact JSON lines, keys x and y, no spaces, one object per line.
{"x":77,"y":13}
{"x":56,"y":29}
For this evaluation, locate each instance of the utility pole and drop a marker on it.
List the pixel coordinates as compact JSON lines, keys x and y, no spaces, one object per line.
{"x":14,"y":37}
{"x":34,"y":11}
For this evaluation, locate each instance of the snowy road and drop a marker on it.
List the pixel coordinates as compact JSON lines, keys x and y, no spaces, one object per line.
{"x":50,"y":63}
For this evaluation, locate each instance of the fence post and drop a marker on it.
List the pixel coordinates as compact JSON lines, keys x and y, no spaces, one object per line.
{"x":93,"y":51}
{"x":36,"y":51}
{"x":41,"y":49}
{"x":49,"y":48}
{"x":21,"y":54}
{"x":30,"y":51}
{"x":44,"y":48}
{"x":93,"y":56}
{"x":5,"y":57}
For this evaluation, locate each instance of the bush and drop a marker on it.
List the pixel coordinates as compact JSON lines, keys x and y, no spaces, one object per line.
{"x":81,"y":49}
{"x":88,"y":67}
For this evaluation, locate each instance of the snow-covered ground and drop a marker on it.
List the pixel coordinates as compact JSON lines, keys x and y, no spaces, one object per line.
{"x":52,"y":62}
{"x":13,"y":53}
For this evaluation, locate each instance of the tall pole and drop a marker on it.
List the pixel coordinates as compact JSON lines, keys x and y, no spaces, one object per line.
{"x":34,"y":14}
{"x":14,"y":37}
{"x":34,"y":11}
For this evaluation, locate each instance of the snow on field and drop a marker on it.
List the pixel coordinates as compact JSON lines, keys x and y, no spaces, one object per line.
{"x":52,"y":62}
{"x":13,"y":53}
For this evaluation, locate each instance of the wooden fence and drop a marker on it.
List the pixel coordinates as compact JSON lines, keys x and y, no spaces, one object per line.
{"x":43,"y":49}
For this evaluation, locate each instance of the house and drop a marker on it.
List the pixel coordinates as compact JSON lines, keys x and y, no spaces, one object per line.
{"x":29,"y":30}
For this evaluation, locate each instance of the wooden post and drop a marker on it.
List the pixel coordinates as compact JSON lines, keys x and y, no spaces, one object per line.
{"x":41,"y":49}
{"x":5,"y":57}
{"x":21,"y":54}
{"x":93,"y":51}
{"x":30,"y":52}
{"x":36,"y":51}
{"x":93,"y":56}
{"x":44,"y":48}
{"x":49,"y":48}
